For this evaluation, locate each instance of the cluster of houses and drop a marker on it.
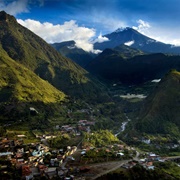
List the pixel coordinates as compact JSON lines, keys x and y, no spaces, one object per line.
{"x":6,"y":144}
{"x":38,"y":160}
{"x":147,"y":163}
{"x":115,"y":151}
{"x":168,"y":145}
{"x":35,"y":160}
{"x":81,"y":126}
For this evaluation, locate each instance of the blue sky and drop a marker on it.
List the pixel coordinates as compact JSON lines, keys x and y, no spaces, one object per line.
{"x":84,"y":20}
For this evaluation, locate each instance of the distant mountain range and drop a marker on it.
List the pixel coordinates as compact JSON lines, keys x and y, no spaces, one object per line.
{"x":136,"y":40}
{"x":122,"y":36}
{"x":125,"y":40}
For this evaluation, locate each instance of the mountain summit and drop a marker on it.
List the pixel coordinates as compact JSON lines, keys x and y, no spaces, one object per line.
{"x":6,"y":17}
{"x":136,"y":40}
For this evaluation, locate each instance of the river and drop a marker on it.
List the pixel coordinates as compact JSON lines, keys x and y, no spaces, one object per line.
{"x":123,"y":126}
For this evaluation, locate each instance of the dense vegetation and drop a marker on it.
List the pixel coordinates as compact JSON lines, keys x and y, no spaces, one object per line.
{"x":99,"y":138}
{"x":19,"y":84}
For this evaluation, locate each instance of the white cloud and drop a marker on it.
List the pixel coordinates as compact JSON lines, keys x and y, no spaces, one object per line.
{"x":175,"y":42}
{"x":168,"y":40}
{"x":165,"y":38}
{"x":96,"y":51}
{"x":57,"y":33}
{"x":100,"y":39}
{"x":109,"y":22}
{"x":142,"y":27}
{"x":129,"y":43}
{"x":159,"y":33}
{"x":14,"y":7}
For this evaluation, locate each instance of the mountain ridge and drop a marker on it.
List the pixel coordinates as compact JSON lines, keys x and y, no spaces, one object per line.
{"x":160,"y":112}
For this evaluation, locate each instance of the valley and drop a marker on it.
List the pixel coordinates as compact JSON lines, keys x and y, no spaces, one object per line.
{"x":69,"y":114}
{"x":98,"y":152}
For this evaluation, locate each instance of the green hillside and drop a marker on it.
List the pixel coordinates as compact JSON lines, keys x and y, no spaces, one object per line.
{"x":21,"y":89}
{"x":17,"y":83}
{"x":160,"y":113}
{"x":34,"y":53}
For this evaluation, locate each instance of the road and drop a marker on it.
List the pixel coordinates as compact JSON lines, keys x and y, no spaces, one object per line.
{"x":172,"y":157}
{"x":105,"y":168}
{"x":112,"y":166}
{"x":136,"y":158}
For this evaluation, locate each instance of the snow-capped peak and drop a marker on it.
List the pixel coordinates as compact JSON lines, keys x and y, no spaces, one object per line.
{"x":121,"y":29}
